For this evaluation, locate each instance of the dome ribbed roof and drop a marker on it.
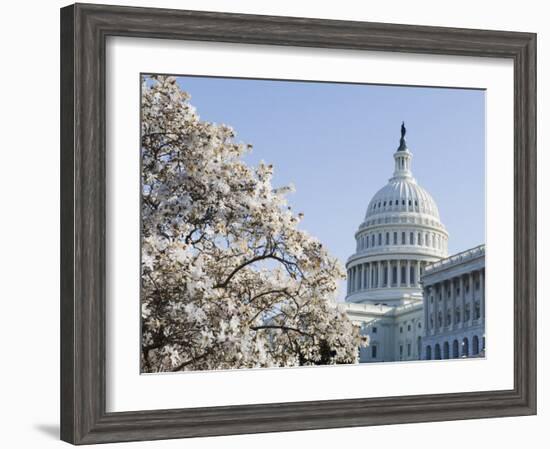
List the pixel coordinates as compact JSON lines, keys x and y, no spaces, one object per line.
{"x":402,"y":195}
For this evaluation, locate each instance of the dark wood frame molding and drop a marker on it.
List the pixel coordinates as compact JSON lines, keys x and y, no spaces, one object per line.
{"x":84,"y":29}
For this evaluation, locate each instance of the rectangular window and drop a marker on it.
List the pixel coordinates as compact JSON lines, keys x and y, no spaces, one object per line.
{"x":373,"y":351}
{"x":402,"y":238}
{"x":395,"y":238}
{"x":374,"y":330}
{"x":379,"y":239}
{"x":408,"y":349}
{"x":411,"y":237}
{"x":387,"y":238}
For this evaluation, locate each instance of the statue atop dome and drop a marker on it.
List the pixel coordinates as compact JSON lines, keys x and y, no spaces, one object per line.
{"x":402,"y":141}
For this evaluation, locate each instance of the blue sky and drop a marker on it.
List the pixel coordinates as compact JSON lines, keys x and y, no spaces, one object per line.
{"x":335,"y":143}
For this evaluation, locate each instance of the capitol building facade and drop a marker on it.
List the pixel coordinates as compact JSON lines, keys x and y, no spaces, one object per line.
{"x":400,"y":245}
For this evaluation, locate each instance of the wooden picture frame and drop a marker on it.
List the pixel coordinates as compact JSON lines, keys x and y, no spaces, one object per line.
{"x":84,"y":29}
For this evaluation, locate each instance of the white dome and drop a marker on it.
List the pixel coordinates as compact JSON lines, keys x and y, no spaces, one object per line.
{"x":400,"y":235}
{"x":402,"y":195}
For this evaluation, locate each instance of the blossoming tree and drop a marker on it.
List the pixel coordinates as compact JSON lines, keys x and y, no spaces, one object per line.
{"x":228,"y":280}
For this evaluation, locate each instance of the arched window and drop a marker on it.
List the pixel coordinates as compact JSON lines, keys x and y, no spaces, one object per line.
{"x":402,"y":238}
{"x":475,"y":345}
{"x":419,"y":239}
{"x":428,"y":352}
{"x":373,"y":351}
{"x":465,"y":347}
{"x":437,"y":352}
{"x":395,"y":238}
{"x":387,"y":238}
{"x":411,"y":275}
{"x":455,"y":349}
{"x":419,"y":346}
{"x":379,"y":239}
{"x":446,"y":350}
{"x":411,"y":238}
{"x":372,"y":240}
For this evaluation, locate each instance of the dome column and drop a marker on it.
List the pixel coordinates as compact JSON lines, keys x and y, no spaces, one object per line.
{"x":398,"y":269}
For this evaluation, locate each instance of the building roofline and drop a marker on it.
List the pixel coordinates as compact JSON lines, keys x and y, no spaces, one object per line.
{"x":455,"y":259}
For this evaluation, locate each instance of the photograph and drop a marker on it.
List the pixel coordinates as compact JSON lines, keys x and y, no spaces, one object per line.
{"x":293,"y":223}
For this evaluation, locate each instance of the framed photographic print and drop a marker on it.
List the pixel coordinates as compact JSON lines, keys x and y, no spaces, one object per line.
{"x":273,"y":223}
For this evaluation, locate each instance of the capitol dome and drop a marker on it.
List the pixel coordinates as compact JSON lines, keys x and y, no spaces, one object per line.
{"x":404,"y":195}
{"x":400,"y":235}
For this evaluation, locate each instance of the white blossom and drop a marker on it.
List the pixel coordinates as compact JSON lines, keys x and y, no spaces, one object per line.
{"x":228,"y":279}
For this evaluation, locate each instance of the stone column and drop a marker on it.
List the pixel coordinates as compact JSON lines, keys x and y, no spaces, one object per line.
{"x":360,"y":277}
{"x":417,"y":273}
{"x":444,"y":296}
{"x":453,"y":303}
{"x":462,"y":301}
{"x":426,"y":307}
{"x":482,"y":290}
{"x":472,"y":296}
{"x":370,"y":274}
{"x":408,"y":273}
{"x":348,"y":282}
{"x":388,"y":273}
{"x":436,"y":309}
{"x":380,"y":277}
{"x":398,"y":270}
